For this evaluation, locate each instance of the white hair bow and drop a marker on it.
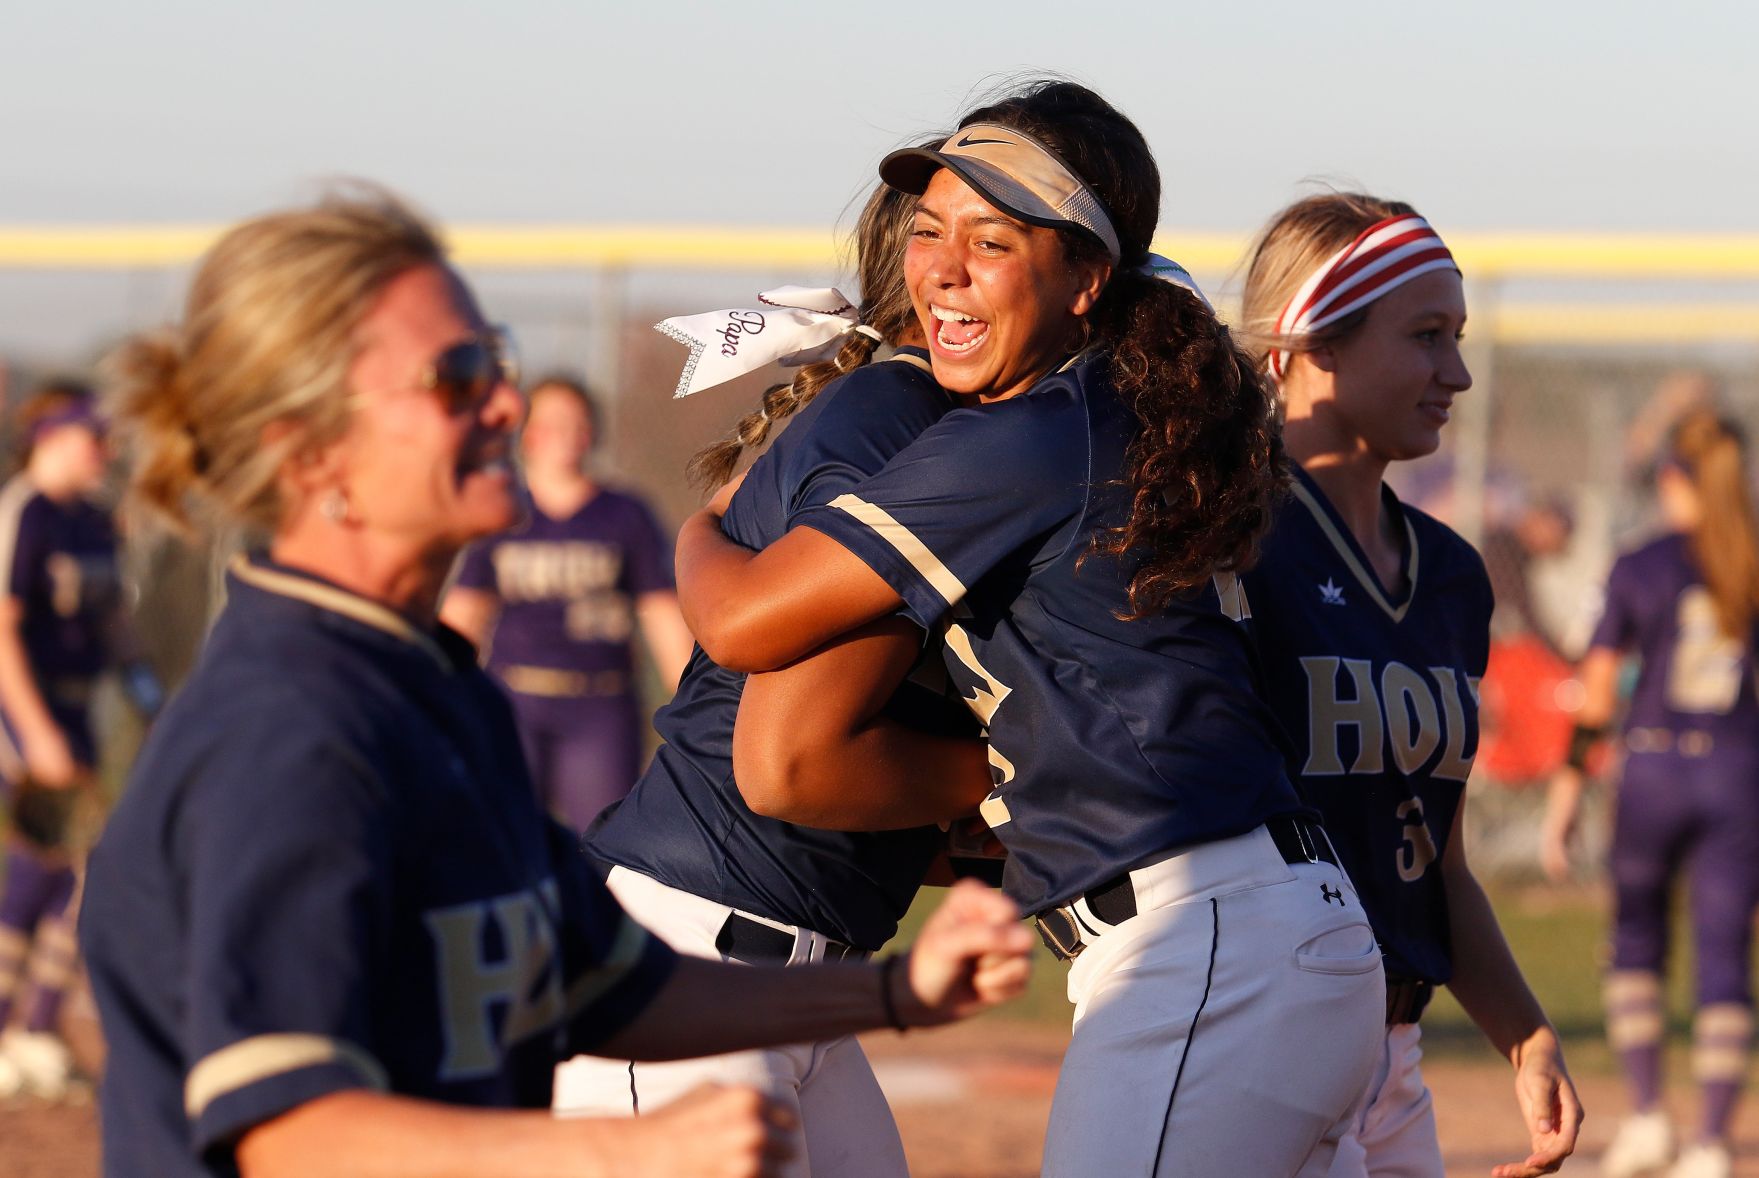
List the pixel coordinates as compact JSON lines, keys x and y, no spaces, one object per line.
{"x":794,"y":325}
{"x":1168,"y":270}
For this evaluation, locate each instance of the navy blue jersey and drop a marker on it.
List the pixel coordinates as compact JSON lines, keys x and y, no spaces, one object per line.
{"x":685,"y":823}
{"x":329,"y":872}
{"x":1379,"y":698}
{"x":1111,"y":742}
{"x":59,"y":560}
{"x":1693,"y":677}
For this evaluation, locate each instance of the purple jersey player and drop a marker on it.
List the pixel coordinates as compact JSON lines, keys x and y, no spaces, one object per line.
{"x":57,"y":621}
{"x":1372,"y":623}
{"x":563,"y":593}
{"x":1684,"y":607}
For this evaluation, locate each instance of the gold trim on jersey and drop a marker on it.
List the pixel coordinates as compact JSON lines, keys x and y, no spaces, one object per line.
{"x":250,"y":1061}
{"x":1365,"y":576}
{"x":553,"y":683}
{"x":626,"y":952}
{"x":905,"y":543}
{"x":913,"y":361}
{"x":338,"y":601}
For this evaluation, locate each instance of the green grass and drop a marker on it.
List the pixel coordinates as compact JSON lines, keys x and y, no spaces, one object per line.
{"x":1558,"y":936}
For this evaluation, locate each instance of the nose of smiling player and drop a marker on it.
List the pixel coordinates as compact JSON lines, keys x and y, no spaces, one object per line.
{"x":1452,"y":373}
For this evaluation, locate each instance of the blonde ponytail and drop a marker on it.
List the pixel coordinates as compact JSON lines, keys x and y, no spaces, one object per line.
{"x":263,"y":350}
{"x":1725,"y":542}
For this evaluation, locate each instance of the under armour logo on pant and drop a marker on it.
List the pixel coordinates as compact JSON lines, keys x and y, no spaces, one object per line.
{"x":1328,"y":894}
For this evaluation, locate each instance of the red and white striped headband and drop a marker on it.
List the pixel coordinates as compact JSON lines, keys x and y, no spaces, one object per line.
{"x":1384,"y":256}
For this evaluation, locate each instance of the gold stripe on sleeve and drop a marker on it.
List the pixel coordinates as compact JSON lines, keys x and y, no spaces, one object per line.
{"x":264,"y":1056}
{"x":901,"y":538}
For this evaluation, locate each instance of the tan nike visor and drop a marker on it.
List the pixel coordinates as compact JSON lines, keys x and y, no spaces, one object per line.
{"x":1011,"y":171}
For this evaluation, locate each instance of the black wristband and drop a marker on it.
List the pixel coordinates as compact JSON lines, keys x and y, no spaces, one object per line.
{"x":1583,"y":738}
{"x":888,"y":1004}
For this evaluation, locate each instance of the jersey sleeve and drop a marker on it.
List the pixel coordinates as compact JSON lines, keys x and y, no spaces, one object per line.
{"x":1622,"y":612}
{"x":977,"y":488}
{"x":868,"y":417}
{"x":613,"y":965}
{"x":647,"y":552}
{"x":24,"y":546}
{"x":287,"y":841}
{"x":476,"y":569}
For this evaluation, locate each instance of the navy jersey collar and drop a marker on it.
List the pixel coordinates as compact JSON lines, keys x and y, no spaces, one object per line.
{"x":277,"y":580}
{"x":913,"y":356}
{"x":1307,"y":492}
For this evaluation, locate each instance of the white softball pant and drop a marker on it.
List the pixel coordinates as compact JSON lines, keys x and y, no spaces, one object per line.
{"x":848,"y":1127}
{"x":1393,"y":1133}
{"x":1229,"y":1027}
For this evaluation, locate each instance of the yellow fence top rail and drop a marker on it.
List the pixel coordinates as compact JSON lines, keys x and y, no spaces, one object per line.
{"x":685,"y":247}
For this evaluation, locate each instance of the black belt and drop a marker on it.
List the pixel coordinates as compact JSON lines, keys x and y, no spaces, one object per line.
{"x":1406,"y":998}
{"x":756,"y":943}
{"x":1298,"y":840}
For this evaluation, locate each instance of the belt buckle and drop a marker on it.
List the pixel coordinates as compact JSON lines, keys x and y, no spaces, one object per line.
{"x":1061,"y":933}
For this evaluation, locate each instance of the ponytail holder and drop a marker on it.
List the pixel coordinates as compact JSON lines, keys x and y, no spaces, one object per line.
{"x":794,"y":325}
{"x":1168,"y":270}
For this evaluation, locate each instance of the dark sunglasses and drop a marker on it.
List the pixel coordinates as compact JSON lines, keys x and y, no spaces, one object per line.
{"x":465,"y":374}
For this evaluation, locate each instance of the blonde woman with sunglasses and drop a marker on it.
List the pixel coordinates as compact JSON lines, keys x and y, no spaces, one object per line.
{"x":328,"y":912}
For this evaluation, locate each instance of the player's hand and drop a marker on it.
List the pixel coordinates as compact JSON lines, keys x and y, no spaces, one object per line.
{"x":973,"y":953}
{"x":1549,"y":1105}
{"x":49,"y":759}
{"x":712,"y":1131}
{"x":1562,"y":807}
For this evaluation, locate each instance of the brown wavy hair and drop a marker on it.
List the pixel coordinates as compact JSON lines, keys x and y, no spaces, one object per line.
{"x":1297,"y":242}
{"x":1206,"y":469}
{"x":1711,"y":450}
{"x":881,"y":233}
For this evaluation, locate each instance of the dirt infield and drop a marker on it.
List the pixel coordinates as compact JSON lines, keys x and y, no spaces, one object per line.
{"x":972,"y":1103}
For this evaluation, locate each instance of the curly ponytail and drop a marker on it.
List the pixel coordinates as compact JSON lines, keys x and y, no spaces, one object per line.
{"x":1207,"y":467}
{"x":881,"y":234}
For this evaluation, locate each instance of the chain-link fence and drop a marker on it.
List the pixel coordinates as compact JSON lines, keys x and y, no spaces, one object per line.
{"x":1546,"y":465}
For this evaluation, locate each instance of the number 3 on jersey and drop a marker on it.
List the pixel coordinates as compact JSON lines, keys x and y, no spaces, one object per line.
{"x":1417,"y":851}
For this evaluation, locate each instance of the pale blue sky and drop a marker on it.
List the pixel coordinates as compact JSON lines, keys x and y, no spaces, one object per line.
{"x":1498,"y":114}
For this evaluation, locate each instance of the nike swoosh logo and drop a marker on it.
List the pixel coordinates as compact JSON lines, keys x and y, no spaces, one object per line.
{"x":967,"y":141}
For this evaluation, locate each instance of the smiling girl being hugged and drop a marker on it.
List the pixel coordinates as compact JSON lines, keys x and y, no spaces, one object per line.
{"x":1372,"y":621}
{"x":1075,"y":538}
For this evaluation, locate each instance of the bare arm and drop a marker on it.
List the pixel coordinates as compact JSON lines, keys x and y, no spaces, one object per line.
{"x":46,"y":753}
{"x":662,"y":628}
{"x":713,"y":1133}
{"x":756,"y":611}
{"x":471,"y":612}
{"x":972,"y":954}
{"x":1489,"y":985}
{"x":812,"y":747}
{"x":1563,"y":803}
